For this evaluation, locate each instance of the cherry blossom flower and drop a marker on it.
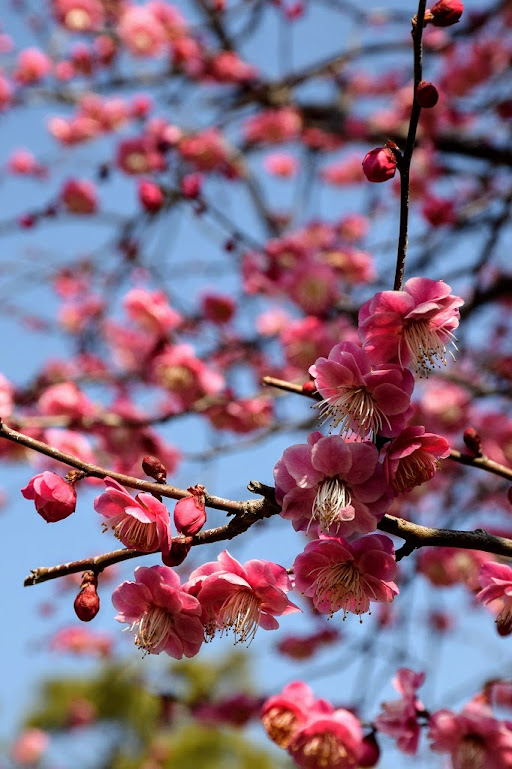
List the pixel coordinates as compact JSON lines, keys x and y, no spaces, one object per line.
{"x":179,"y":370}
{"x":151,"y":311}
{"x":164,"y":616}
{"x":496,"y":582}
{"x":80,"y":640}
{"x":337,"y":574}
{"x":336,"y":485}
{"x":65,"y":398}
{"x":280,"y":164}
{"x":30,"y":746}
{"x":446,"y":566}
{"x":53,"y":497}
{"x":79,"y":15}
{"x":241,"y":598}
{"x":282,"y":715}
{"x":399,"y":718}
{"x":473,"y":738}
{"x":273,"y":126}
{"x":79,"y":196}
{"x":361,"y":398}
{"x":412,"y":326}
{"x":141,"y":523}
{"x":6,"y":397}
{"x":32,"y":66}
{"x":413,"y":458}
{"x":141,"y":31}
{"x":332,"y":741}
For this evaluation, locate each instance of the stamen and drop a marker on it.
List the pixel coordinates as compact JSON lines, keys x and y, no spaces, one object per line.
{"x":241,"y":613}
{"x":139,"y":535}
{"x":425,"y":346}
{"x":342,"y":583}
{"x":325,"y":750}
{"x":418,"y":467}
{"x":153,"y":628}
{"x":354,"y":410}
{"x":332,"y":496}
{"x":280,"y":725}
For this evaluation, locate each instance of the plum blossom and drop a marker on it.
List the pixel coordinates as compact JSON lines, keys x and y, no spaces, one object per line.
{"x":54,"y":498}
{"x":282,"y":715}
{"x":189,"y":512}
{"x":241,"y":598}
{"x":412,"y":326}
{"x":413,"y":458}
{"x":473,"y":738}
{"x":330,"y":741}
{"x":337,"y":574}
{"x":151,"y":311}
{"x":361,"y":398}
{"x":336,"y":485}
{"x":141,"y":523}
{"x":496,"y":583}
{"x":164,"y":616}
{"x":30,"y":746}
{"x":399,"y":718}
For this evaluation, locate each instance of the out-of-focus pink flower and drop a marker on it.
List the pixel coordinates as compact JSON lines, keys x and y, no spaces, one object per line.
{"x":361,"y":398}
{"x":151,"y":196}
{"x":79,"y":15}
{"x":6,"y":397}
{"x":446,"y":566}
{"x":273,"y":126}
{"x":53,"y":497}
{"x":79,"y":196}
{"x":207,"y":151}
{"x":337,"y":574}
{"x":283,"y":714}
{"x":344,"y":172}
{"x":379,"y":164}
{"x":141,"y":31}
{"x":336,"y":485}
{"x":241,"y":598}
{"x":139,"y":156}
{"x":473,"y":738}
{"x":412,"y":326}
{"x":165,"y":617}
{"x":65,"y":399}
{"x":313,"y":286}
{"x":399,"y":718}
{"x":6,"y":91}
{"x":445,"y":13}
{"x":280,"y":164}
{"x":141,"y":523}
{"x":413,"y":458}
{"x":23,"y":162}
{"x":242,"y":416}
{"x":81,"y":640}
{"x":30,"y":746}
{"x":32,"y":66}
{"x":218,"y":308}
{"x":496,"y":582}
{"x":178,"y":370}
{"x":189,"y":512}
{"x":332,"y":741}
{"x":235,"y":710}
{"x":438,"y":211}
{"x":151,"y":311}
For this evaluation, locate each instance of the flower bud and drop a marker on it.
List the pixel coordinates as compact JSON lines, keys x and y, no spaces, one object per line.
{"x":473,"y":441}
{"x":87,"y":602}
{"x":426,"y":94}
{"x":371,"y":751}
{"x":151,"y":196}
{"x":191,"y":185}
{"x":177,"y":554}
{"x":445,"y":13}
{"x":154,"y":468}
{"x":309,"y":387}
{"x":379,"y":164}
{"x":53,"y":497}
{"x":189,"y":513}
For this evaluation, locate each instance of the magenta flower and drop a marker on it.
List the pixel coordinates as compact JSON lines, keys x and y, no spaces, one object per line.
{"x":362,"y":399}
{"x":496,"y":582}
{"x":166,"y":617}
{"x":330,"y":741}
{"x":413,"y":458}
{"x":53,"y":497}
{"x":474,"y":738}
{"x":141,"y":523}
{"x":283,"y":714}
{"x":339,"y":486}
{"x":241,"y":598}
{"x":412,"y":326}
{"x":189,"y":513}
{"x":399,"y":718}
{"x":337,"y":574}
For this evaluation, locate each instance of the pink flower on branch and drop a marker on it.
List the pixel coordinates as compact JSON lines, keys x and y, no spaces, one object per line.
{"x":241,"y":598}
{"x":53,"y":497}
{"x":412,"y":326}
{"x":330,"y":741}
{"x":284,"y":714}
{"x":336,"y":485}
{"x":413,"y":458}
{"x":141,"y":523}
{"x":496,"y":582}
{"x":361,"y":398}
{"x":399,"y":718}
{"x":337,"y":574}
{"x":165,"y":617}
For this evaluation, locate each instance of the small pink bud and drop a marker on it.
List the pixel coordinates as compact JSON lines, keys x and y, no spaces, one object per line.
{"x":151,"y":196}
{"x":53,"y":497}
{"x":379,"y":164}
{"x":189,"y":513}
{"x":154,"y":468}
{"x":87,"y":602}
{"x":191,"y":185}
{"x":370,"y":751}
{"x":445,"y":13}
{"x":473,"y":441}
{"x":309,"y":387}
{"x":427,"y":95}
{"x":177,"y":553}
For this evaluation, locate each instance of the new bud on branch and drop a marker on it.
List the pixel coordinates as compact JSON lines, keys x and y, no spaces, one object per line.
{"x":87,"y":602}
{"x":53,"y":497}
{"x":379,"y":165}
{"x":189,"y":513}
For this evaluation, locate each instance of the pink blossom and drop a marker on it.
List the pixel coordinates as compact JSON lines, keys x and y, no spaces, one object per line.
{"x":151,"y":311}
{"x":473,"y":738}
{"x":6,"y":397}
{"x":66,"y":399}
{"x":413,"y":458}
{"x":151,"y":196}
{"x":218,"y":308}
{"x":206,"y":150}
{"x":282,"y":715}
{"x":338,"y":575}
{"x":332,"y":741}
{"x":79,"y":196}
{"x":344,"y":172}
{"x":32,"y":66}
{"x":361,"y":398}
{"x":280,"y":164}
{"x":189,"y":512}
{"x":446,"y":566}
{"x":23,"y":162}
{"x":399,"y":718}
{"x":379,"y":164}
{"x":30,"y":746}
{"x":141,"y":31}
{"x":313,"y":286}
{"x":242,"y":416}
{"x":79,"y":15}
{"x":53,"y":497}
{"x":165,"y":617}
{"x":496,"y":582}
{"x":227,"y":67}
{"x":80,"y":640}
{"x":241,"y":598}
{"x":273,"y":126}
{"x":412,"y":326}
{"x":141,"y":523}
{"x":139,"y":156}
{"x":334,"y":484}
{"x":178,"y":370}
{"x":234,"y":709}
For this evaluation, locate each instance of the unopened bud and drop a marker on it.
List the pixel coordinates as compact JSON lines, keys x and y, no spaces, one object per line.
{"x":427,"y":95}
{"x":473,"y":441}
{"x":379,"y":165}
{"x":190,"y":513}
{"x":154,"y":468}
{"x":445,"y":13}
{"x":177,"y":554}
{"x":309,"y":388}
{"x":151,"y":196}
{"x":371,"y":751}
{"x":87,"y":602}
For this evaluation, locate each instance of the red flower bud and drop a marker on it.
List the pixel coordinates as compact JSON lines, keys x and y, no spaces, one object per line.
{"x":191,"y":185}
{"x":151,"y":196}
{"x":445,"y":13}
{"x":379,"y":164}
{"x":177,"y":553}
{"x":309,"y":387}
{"x":371,"y":751}
{"x":87,"y":602}
{"x":473,"y":441}
{"x":426,"y":94}
{"x":189,"y":513}
{"x":154,"y":468}
{"x":53,"y":497}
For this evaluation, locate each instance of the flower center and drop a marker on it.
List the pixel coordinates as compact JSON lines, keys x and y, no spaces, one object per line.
{"x":241,"y":613}
{"x":342,"y":586}
{"x":154,"y":627}
{"x":425,"y":346}
{"x":471,"y":753}
{"x":325,"y":751}
{"x":354,"y":410}
{"x":418,"y":467}
{"x":280,"y":725}
{"x":333,"y":495}
{"x":134,"y":533}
